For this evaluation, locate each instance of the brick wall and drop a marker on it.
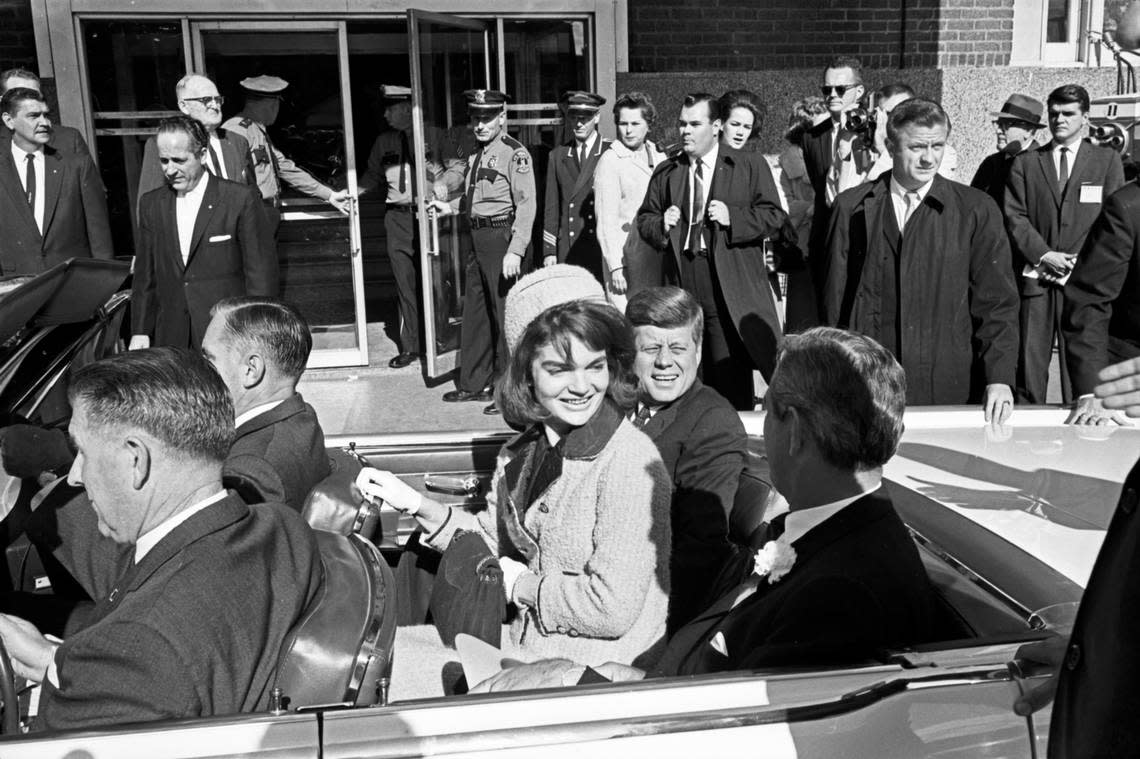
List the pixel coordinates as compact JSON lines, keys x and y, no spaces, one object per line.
{"x":17,"y":40}
{"x":755,"y":35}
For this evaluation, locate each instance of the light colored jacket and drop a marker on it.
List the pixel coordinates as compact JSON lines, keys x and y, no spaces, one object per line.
{"x":599,"y":538}
{"x":620,"y":181}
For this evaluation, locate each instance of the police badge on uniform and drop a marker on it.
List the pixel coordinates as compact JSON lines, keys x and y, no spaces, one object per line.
{"x":522,"y":162}
{"x":493,"y":160}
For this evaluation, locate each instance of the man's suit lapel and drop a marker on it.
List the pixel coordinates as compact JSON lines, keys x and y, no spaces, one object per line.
{"x":586,"y":174}
{"x":678,"y":181}
{"x":10,"y":179}
{"x":875,"y":205}
{"x":1082,"y":165}
{"x":53,"y":182}
{"x":1049,"y":172}
{"x":233,"y":162}
{"x":206,"y":211}
{"x":168,"y":218}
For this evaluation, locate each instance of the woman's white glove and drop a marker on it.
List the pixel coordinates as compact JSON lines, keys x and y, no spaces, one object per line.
{"x":376,"y":484}
{"x":512,"y":571}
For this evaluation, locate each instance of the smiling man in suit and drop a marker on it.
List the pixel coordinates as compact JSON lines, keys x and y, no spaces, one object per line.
{"x":201,"y":239}
{"x":570,"y":225}
{"x":706,"y":209}
{"x":227,"y":154}
{"x":700,"y":437}
{"x":51,"y":200}
{"x":1052,"y":197}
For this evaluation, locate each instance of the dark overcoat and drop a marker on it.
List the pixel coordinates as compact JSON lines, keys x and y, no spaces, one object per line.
{"x":957,"y":300}
{"x":570,"y":224}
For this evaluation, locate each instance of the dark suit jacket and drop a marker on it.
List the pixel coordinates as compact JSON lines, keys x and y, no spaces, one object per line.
{"x":1102,"y":298}
{"x":278,"y":456}
{"x":704,"y":447}
{"x":570,"y":225}
{"x":75,"y":213}
{"x":1040,"y":218}
{"x":957,"y":301}
{"x":63,"y":138}
{"x":231,"y":253}
{"x":818,"y":152}
{"x":737,"y":250}
{"x":235,"y":156}
{"x":993,"y":174}
{"x":194,"y":629}
{"x":857,"y":586}
{"x":1094,"y":711}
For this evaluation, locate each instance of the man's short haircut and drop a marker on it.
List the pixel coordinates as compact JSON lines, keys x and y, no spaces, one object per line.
{"x":666,"y":308}
{"x":849,"y":392}
{"x":11,"y":100}
{"x":277,"y":329}
{"x":695,"y":98}
{"x":638,"y":100}
{"x":743,"y":99}
{"x":803,"y":116}
{"x":187,"y":126}
{"x":184,"y":82}
{"x":1067,"y":94}
{"x":847,"y":62}
{"x":895,"y":88}
{"x":171,"y":394}
{"x":916,"y":112}
{"x":17,"y":73}
{"x":599,"y":326}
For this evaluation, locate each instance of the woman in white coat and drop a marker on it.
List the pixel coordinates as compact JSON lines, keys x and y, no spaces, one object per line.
{"x":620,"y":180}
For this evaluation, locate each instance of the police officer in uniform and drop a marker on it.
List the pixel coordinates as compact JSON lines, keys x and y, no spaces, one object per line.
{"x":390,"y":166}
{"x":500,"y":203}
{"x":569,"y":222}
{"x":262,"y":103}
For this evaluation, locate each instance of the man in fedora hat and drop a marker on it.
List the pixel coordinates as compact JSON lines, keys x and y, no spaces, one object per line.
{"x":1017,"y":124}
{"x":1053,"y":196}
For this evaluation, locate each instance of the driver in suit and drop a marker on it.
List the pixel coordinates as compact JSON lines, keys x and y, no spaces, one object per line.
{"x":839,"y":577}
{"x":209,"y":587}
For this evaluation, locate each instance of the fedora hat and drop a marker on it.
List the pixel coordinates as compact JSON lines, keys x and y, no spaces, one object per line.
{"x":1022,"y":108}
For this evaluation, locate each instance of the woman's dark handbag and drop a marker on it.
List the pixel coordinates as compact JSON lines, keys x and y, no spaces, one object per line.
{"x":468,"y":592}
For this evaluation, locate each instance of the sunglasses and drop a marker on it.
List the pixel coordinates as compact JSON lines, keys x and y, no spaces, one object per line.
{"x":840,"y":89}
{"x":207,"y":100}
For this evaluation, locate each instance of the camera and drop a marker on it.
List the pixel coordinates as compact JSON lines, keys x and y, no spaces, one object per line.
{"x":860,"y":120}
{"x":1114,"y":121}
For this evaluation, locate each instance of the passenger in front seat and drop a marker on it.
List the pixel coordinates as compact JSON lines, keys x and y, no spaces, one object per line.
{"x":210,"y":588}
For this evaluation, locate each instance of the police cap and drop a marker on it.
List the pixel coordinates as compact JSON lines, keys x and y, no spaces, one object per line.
{"x":485,"y":101}
{"x":395,"y":92}
{"x":582,"y":101}
{"x":264,"y":86}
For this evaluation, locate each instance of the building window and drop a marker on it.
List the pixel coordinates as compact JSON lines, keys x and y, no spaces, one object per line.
{"x":1058,"y":31}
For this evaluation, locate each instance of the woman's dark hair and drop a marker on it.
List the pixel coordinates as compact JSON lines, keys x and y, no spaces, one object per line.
{"x":599,"y":326}
{"x":638,"y":100}
{"x":803,"y":116}
{"x":747,"y":100}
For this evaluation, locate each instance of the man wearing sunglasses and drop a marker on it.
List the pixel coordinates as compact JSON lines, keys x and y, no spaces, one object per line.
{"x":830,"y":157}
{"x":228,"y":155}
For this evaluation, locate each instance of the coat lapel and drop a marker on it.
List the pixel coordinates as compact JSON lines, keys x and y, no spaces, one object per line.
{"x":169,"y":222}
{"x":210,"y":201}
{"x":10,"y":179}
{"x":1081,"y":166}
{"x":1049,"y":172}
{"x":53,"y":181}
{"x":678,"y":177}
{"x":586,"y":173}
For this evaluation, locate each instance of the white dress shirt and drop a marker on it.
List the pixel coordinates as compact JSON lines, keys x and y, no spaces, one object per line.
{"x":1056,"y":150}
{"x":801,"y":521}
{"x":708,"y":167}
{"x":186,"y":210}
{"x":898,"y":200}
{"x":20,"y":156}
{"x":151,"y":537}
{"x":255,"y":412}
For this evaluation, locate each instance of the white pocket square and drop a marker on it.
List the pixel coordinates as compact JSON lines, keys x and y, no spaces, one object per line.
{"x":221,"y":238}
{"x":718,"y":645}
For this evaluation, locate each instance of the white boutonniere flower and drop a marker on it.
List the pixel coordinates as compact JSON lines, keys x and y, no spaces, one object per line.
{"x":775,"y":560}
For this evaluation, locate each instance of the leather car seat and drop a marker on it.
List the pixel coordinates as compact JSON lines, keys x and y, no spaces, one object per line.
{"x":754,"y":498}
{"x":340,"y":652}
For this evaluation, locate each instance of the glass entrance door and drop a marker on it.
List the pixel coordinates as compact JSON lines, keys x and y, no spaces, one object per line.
{"x":318,"y":246}
{"x":448,"y":55}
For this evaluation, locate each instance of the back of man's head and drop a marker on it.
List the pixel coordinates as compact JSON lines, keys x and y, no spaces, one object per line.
{"x":171,"y":394}
{"x":848,"y":390}
{"x":916,"y":112}
{"x":21,"y":77}
{"x":271,"y":327}
{"x":666,"y":308}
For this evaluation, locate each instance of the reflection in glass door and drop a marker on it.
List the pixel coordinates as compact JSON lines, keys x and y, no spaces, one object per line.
{"x":448,"y":55}
{"x":318,"y":246}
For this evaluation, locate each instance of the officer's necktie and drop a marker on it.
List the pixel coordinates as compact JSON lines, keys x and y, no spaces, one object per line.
{"x":30,"y":181}
{"x":403,"y":161}
{"x":1063,"y":178}
{"x":472,"y":180}
{"x":912,"y":200}
{"x":697,"y":210}
{"x":215,"y":162}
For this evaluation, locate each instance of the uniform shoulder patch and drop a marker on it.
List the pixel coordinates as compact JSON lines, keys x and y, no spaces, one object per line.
{"x":520,"y":162}
{"x":511,"y":142}
{"x":244,"y":123}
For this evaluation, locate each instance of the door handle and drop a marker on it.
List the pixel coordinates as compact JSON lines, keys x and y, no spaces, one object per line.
{"x":433,"y":232}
